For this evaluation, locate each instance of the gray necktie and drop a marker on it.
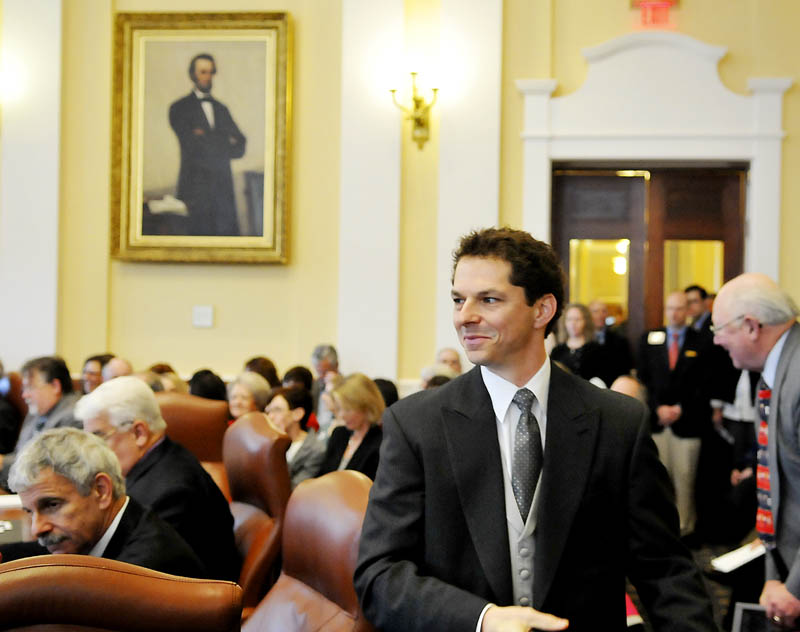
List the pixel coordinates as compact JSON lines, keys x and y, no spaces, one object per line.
{"x":528,"y":454}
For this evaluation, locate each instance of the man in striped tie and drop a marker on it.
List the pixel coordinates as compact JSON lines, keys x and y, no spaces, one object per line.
{"x":756,"y":322}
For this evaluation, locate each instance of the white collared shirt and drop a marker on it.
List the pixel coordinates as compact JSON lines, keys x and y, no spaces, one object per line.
{"x":100,"y":548}
{"x":208,"y":107}
{"x":507,"y":415}
{"x":771,"y":363}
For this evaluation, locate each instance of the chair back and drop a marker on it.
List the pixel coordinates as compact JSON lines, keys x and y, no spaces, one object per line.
{"x":197,"y":423}
{"x":254,"y":453}
{"x":320,"y":547}
{"x":79,"y":592}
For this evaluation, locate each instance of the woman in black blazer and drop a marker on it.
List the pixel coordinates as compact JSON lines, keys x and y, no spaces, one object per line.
{"x":356,"y":444}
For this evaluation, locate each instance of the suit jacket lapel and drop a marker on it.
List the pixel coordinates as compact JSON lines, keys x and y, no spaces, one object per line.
{"x":571,"y":437}
{"x":470,"y":432}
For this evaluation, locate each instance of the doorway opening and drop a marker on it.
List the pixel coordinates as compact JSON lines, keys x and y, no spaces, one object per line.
{"x":630,"y":235}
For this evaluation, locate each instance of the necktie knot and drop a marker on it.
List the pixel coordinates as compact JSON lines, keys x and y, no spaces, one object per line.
{"x":523,"y":398}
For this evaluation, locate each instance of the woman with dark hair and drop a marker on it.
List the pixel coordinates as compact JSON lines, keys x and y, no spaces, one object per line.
{"x":206,"y":383}
{"x":265,"y":368}
{"x":288,"y":409}
{"x":298,"y":376}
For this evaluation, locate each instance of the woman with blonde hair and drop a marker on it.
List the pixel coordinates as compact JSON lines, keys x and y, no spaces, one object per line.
{"x":355,"y":445}
{"x":579,"y":352}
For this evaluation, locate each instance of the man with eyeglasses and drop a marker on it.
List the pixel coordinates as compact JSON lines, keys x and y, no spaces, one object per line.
{"x":756,"y":322}
{"x":160,"y":473}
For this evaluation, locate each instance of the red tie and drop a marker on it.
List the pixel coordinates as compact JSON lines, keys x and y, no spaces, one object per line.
{"x":673,"y":350}
{"x":764,"y":524}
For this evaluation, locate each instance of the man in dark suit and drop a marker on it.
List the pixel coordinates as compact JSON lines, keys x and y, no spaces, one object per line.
{"x":71,"y":485}
{"x":616,"y":356}
{"x":209,"y":139}
{"x":671,"y":366}
{"x":458,"y":535}
{"x":161,"y":474}
{"x":756,"y":322}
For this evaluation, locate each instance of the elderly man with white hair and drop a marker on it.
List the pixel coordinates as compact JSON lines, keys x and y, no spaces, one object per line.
{"x":160,"y":473}
{"x":756,"y":322}
{"x":71,"y":485}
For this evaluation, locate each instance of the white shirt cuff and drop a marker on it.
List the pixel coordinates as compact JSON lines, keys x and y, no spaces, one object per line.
{"x":480,"y":618}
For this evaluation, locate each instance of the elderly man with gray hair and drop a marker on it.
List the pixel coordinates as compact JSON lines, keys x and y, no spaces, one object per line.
{"x":160,"y":473}
{"x":71,"y":485}
{"x":756,"y":322}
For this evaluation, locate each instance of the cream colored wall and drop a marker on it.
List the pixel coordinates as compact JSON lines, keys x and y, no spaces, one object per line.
{"x":543,"y":39}
{"x":142,"y":310}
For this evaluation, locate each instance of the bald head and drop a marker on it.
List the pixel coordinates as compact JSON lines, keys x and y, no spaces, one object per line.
{"x":750,"y":314}
{"x":116,"y":367}
{"x":675,"y":309}
{"x":631,"y":387}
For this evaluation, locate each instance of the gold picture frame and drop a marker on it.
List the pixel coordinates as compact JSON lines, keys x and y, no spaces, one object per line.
{"x":201,"y":137}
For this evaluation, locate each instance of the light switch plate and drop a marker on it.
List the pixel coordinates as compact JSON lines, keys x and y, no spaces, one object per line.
{"x":203,"y":316}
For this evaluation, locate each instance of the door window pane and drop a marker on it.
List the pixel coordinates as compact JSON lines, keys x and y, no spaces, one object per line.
{"x":693,"y":262}
{"x":598,"y":269}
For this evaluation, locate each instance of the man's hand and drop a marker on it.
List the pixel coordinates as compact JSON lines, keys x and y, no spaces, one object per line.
{"x":519,"y":619}
{"x":716,"y":417}
{"x":781,"y":605}
{"x":737,"y":476}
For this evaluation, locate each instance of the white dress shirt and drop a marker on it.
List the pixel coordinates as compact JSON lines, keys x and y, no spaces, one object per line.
{"x":100,"y":547}
{"x":507,"y":415}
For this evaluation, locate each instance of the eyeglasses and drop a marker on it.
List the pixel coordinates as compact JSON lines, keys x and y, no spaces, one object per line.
{"x":105,"y":436}
{"x":716,"y":329}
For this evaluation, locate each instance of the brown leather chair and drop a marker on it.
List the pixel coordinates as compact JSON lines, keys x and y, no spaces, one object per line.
{"x":254,"y":453}
{"x":314,"y":592}
{"x":78,"y":592}
{"x":198,"y":424}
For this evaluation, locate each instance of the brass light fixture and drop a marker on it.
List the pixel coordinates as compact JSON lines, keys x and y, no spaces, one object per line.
{"x":419,"y":114}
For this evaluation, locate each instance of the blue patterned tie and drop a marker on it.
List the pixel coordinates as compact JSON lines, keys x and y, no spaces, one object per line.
{"x":528,"y":455}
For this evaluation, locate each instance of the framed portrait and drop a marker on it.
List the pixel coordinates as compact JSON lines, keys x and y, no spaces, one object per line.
{"x":201,"y":137}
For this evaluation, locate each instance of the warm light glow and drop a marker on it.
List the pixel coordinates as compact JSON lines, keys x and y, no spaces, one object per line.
{"x":620,"y":265}
{"x":622,"y":246}
{"x":12,"y":79}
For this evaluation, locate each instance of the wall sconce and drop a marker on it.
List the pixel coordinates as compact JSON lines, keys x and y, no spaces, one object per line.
{"x":418,"y":114}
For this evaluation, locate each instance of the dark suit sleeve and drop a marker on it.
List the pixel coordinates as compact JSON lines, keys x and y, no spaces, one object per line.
{"x":235,"y":138}
{"x":660,"y":567}
{"x":394,"y":591}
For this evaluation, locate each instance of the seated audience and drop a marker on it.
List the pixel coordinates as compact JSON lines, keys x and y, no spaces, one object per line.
{"x":388,"y":390}
{"x":92,"y":375}
{"x":265,"y":368}
{"x":49,"y":394}
{"x":436,"y":381}
{"x":429,"y":372}
{"x":289,"y":409}
{"x":161,"y":474}
{"x":153,"y":380}
{"x":247,"y":393}
{"x":116,"y":367}
{"x":161,"y":368}
{"x":324,"y":360}
{"x":206,"y":383}
{"x":579,"y":353}
{"x":172,"y":382}
{"x":451,"y":358}
{"x":71,"y":484}
{"x":298,"y":376}
{"x":9,"y":416}
{"x":356,"y":444}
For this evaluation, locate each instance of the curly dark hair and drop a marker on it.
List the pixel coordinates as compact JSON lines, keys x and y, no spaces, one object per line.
{"x":534,"y":264}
